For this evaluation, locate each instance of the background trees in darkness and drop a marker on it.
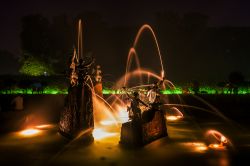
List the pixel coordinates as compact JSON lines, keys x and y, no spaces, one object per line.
{"x":50,"y":42}
{"x":192,"y":50}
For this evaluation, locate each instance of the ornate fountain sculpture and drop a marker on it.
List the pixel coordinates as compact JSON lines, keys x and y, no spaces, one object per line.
{"x":97,"y":77}
{"x":78,"y":111}
{"x":77,"y":114}
{"x":151,"y":124}
{"x":144,"y":127}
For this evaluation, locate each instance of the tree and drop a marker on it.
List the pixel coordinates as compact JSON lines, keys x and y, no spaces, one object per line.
{"x":62,"y":40}
{"x":35,"y":36}
{"x":49,"y":42}
{"x":34,"y":67}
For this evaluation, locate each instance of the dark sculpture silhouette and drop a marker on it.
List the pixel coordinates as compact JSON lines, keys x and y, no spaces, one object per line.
{"x":78,"y":111}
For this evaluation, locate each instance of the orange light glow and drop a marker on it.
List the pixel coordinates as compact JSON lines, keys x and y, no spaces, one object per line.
{"x":174,"y":118}
{"x":99,"y":134}
{"x":220,"y":142}
{"x":175,"y":115}
{"x":45,"y":126}
{"x":30,"y":132}
{"x":103,"y":112}
{"x":223,"y":139}
{"x":201,"y":148}
{"x":108,"y":122}
{"x":162,"y":74}
{"x":217,"y":146}
{"x":197,"y":146}
{"x":122,"y":114}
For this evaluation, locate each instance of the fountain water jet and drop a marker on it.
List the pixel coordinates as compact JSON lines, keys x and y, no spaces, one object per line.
{"x":80,"y":43}
{"x":137,"y":72}
{"x":139,"y":33}
{"x":132,"y":53}
{"x":175,"y":114}
{"x":217,"y":140}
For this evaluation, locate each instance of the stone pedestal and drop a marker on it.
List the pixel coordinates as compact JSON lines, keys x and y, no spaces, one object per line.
{"x":78,"y":111}
{"x":138,"y":133}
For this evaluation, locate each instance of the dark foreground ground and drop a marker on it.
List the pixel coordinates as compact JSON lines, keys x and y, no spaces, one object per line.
{"x":186,"y":144}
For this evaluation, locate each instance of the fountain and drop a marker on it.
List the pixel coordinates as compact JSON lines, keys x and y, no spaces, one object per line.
{"x":85,"y":110}
{"x":78,"y":111}
{"x":150,"y":124}
{"x":174,"y":114}
{"x":217,"y":140}
{"x":138,"y":124}
{"x":84,"y":95}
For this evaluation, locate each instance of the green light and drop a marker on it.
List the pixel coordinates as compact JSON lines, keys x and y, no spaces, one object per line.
{"x":108,"y":91}
{"x":178,"y":90}
{"x":208,"y":90}
{"x":33,"y":67}
{"x":30,"y":92}
{"x":172,"y":91}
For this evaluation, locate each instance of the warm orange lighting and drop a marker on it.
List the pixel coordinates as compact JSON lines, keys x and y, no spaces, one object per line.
{"x":217,"y":146}
{"x":176,"y":114}
{"x":197,"y":146}
{"x":45,"y":126}
{"x":221,"y":142}
{"x":122,"y":114}
{"x":99,"y":134}
{"x":223,"y":139}
{"x":174,"y":118}
{"x":201,"y":148}
{"x":108,"y":122}
{"x":162,"y":74}
{"x":103,"y":112}
{"x":30,"y":132}
{"x":214,"y":145}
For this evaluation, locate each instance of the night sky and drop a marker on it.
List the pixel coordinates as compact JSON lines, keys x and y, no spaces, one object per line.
{"x":132,"y":13}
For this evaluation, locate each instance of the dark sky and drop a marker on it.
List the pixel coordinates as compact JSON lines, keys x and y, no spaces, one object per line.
{"x":221,"y":12}
{"x":116,"y":12}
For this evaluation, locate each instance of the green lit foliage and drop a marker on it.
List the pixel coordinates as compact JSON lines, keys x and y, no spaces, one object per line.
{"x":47,"y":90}
{"x":49,"y":40}
{"x":178,"y":90}
{"x":33,"y":67}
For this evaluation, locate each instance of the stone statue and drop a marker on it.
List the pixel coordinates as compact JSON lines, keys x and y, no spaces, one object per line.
{"x":78,"y":110}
